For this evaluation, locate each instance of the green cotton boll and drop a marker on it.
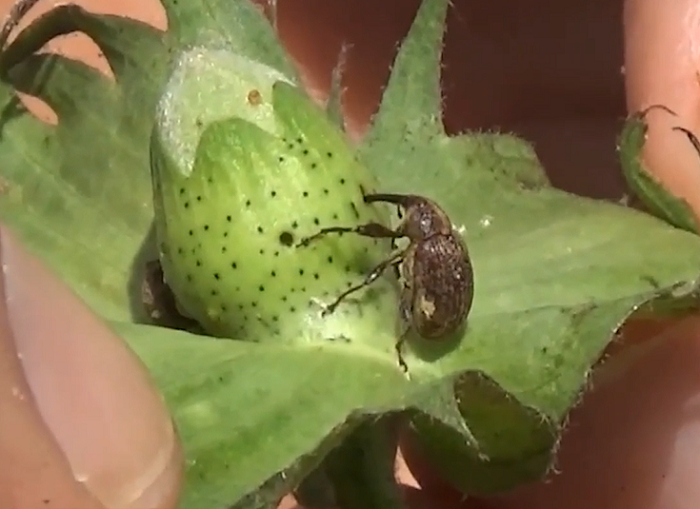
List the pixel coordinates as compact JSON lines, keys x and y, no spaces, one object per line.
{"x":228,"y":228}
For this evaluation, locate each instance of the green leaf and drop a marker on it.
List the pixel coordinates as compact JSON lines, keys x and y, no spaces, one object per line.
{"x":555,"y":274}
{"x":245,"y":411}
{"x":661,"y":203}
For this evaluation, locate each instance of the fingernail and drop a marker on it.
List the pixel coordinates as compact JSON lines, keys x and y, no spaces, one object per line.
{"x":94,"y":394}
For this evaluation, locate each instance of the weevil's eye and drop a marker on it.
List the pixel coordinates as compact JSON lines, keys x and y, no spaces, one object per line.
{"x":426,"y":223}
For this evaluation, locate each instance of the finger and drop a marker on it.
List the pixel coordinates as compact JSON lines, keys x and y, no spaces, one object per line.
{"x":662,"y":54}
{"x":34,"y":471}
{"x":93,"y":394}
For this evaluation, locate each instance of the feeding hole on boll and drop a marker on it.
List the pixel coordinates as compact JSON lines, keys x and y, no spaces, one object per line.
{"x":286,"y":238}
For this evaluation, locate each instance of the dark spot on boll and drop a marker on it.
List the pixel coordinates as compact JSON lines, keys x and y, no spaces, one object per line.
{"x":316,"y":221}
{"x":273,"y":194}
{"x":210,"y":180}
{"x":329,"y":154}
{"x":326,"y":191}
{"x":275,"y":318}
{"x":313,"y":166}
{"x":305,"y":151}
{"x":300,"y":140}
{"x":223,"y":249}
{"x":273,"y":273}
{"x":301,"y":272}
{"x":199,"y":198}
{"x":247,"y":203}
{"x":225,"y":234}
{"x":180,"y":250}
{"x":215,"y":292}
{"x":206,"y":227}
{"x":254,"y":304}
{"x":261,"y":288}
{"x":260,"y":229}
{"x":286,"y":238}
{"x":254,"y":97}
{"x":316,"y":275}
{"x":188,"y":277}
{"x":292,"y":309}
{"x":191,"y":232}
{"x":228,"y":218}
{"x":342,"y":181}
{"x":262,"y":251}
{"x":277,"y":253}
{"x":217,"y":276}
{"x":330,"y":259}
{"x":199,"y":263}
{"x":234,"y":265}
{"x":295,"y":225}
{"x":187,"y":204}
{"x":280,"y":159}
{"x":182,"y":190}
{"x":335,"y":217}
{"x":284,"y":298}
{"x":305,"y":194}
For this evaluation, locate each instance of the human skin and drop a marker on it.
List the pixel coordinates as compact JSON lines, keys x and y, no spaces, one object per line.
{"x":550,"y":71}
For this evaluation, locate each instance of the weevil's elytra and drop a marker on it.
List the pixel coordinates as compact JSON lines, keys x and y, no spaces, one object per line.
{"x":435,"y":268}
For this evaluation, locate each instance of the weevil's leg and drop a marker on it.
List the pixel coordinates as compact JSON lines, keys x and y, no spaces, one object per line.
{"x":403,"y":200}
{"x":394,"y":259}
{"x":693,"y":139}
{"x":397,"y":272}
{"x":399,"y":346}
{"x":375,"y":230}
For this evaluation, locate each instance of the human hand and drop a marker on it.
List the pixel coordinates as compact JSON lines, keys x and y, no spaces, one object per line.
{"x":551,"y":74}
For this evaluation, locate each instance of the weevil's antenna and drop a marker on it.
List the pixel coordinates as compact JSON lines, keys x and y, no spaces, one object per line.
{"x":17,"y":12}
{"x":693,"y":139}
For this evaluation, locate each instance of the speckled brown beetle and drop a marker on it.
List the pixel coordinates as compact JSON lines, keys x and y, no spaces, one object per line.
{"x":435,"y":269}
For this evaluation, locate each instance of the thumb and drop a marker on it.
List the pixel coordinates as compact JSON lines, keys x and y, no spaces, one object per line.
{"x":79,"y":408}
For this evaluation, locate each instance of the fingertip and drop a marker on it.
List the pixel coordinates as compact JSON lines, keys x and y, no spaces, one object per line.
{"x":92,"y":392}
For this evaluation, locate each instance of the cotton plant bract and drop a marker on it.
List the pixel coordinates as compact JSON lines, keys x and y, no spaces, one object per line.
{"x":206,"y":153}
